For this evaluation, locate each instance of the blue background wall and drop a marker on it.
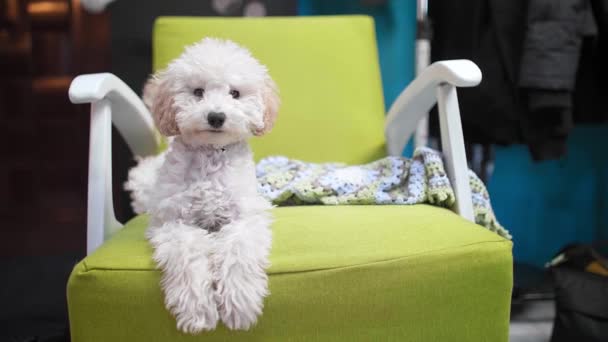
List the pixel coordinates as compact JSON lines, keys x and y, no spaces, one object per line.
{"x":547,"y":205}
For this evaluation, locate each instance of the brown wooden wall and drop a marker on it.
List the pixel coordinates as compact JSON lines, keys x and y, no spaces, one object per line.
{"x":44,"y":138}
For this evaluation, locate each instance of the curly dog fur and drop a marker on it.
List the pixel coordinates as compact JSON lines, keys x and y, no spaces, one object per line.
{"x":209,"y":227}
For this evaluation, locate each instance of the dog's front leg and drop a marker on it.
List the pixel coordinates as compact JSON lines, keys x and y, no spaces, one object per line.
{"x":182,"y":253}
{"x":241,"y":258}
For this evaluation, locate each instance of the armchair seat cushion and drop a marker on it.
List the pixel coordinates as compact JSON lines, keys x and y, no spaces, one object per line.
{"x":339,"y":273}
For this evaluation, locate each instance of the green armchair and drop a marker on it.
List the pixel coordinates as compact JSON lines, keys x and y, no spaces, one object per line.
{"x":338,"y":273}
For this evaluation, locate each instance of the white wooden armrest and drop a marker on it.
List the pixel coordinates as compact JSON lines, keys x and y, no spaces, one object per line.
{"x":112,"y":101}
{"x":131,"y":118}
{"x":437,"y":84}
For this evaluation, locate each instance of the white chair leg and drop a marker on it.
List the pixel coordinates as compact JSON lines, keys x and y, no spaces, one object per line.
{"x":452,"y":144}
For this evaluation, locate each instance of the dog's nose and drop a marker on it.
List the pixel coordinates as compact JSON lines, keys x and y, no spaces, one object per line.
{"x":216,"y":119}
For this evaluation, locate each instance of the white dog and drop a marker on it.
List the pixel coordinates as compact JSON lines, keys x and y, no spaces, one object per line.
{"x":209,"y":227}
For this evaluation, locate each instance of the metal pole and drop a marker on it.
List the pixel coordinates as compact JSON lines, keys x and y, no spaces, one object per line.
{"x":423,"y":59}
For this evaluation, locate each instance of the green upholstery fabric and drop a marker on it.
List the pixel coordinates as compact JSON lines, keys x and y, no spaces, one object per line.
{"x":327,"y":72}
{"x":346,"y":273}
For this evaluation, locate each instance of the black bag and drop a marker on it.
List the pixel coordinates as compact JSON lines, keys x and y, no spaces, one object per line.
{"x":581,"y":295}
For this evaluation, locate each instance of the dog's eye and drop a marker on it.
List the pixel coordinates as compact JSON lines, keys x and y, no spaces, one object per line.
{"x":198,"y":92}
{"x":235,"y":93}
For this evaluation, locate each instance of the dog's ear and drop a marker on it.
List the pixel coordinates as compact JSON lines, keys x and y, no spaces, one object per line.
{"x":149,"y":92}
{"x":158,"y":98}
{"x":270,"y":96}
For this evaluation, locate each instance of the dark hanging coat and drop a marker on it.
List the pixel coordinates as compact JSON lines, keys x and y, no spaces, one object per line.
{"x":539,"y":59}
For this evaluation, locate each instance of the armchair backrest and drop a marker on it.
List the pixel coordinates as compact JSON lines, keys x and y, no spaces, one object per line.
{"x":327,"y":72}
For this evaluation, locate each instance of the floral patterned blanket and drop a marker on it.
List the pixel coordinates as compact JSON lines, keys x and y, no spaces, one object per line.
{"x":391,"y":180}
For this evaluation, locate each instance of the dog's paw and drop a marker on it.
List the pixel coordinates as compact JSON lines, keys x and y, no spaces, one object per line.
{"x":194,"y":310}
{"x":192,"y":302}
{"x":241,"y":298}
{"x":196,"y":320}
